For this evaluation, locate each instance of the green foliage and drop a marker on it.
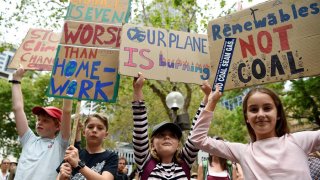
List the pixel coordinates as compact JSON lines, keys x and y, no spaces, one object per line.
{"x":303,"y":99}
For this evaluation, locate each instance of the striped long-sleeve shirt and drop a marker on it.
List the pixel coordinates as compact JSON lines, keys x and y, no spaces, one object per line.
{"x":142,"y":152}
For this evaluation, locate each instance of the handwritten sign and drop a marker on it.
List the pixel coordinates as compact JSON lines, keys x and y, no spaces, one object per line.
{"x":37,"y":51}
{"x":276,"y":41}
{"x":85,"y":74}
{"x":111,"y":11}
{"x":161,"y":55}
{"x":93,"y":35}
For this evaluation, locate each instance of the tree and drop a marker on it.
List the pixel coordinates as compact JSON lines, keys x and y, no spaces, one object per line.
{"x":303,"y":99}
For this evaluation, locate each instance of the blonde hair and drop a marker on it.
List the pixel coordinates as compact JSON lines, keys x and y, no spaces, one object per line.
{"x":176,"y":157}
{"x":101,"y":117}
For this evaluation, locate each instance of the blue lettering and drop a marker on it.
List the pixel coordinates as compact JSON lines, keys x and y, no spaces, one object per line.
{"x":161,"y":36}
{"x":99,"y":90}
{"x":153,"y":35}
{"x":94,"y":69}
{"x":215,"y":32}
{"x":85,"y":85}
{"x":61,"y":88}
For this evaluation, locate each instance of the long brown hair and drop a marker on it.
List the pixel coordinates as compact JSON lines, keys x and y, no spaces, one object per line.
{"x":281,"y":125}
{"x":222,"y":161}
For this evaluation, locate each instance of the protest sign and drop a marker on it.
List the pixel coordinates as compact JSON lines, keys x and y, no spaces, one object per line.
{"x":275,"y":41}
{"x":85,"y":74}
{"x":160,"y":54}
{"x":88,"y":34}
{"x":37,"y":51}
{"x":111,"y":11}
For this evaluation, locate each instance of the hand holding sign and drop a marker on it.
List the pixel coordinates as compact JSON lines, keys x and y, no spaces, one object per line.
{"x":214,"y":98}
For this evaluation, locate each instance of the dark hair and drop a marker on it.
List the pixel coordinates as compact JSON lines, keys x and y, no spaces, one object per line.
{"x":281,"y":125}
{"x":101,"y":117}
{"x":222,"y":161}
{"x":123,"y":158}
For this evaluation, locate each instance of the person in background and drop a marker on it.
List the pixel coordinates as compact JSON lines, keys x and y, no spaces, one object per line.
{"x":93,"y":162}
{"x":164,"y":157}
{"x":273,"y":152}
{"x":5,"y":165}
{"x":122,"y":169}
{"x":215,"y":168}
{"x":40,"y":153}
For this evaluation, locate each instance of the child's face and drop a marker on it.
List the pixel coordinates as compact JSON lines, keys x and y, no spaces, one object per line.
{"x":262,"y":115}
{"x":166,"y":143}
{"x":95,"y":131}
{"x":46,"y":126}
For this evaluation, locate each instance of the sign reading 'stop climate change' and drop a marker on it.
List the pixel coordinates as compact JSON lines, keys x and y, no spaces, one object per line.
{"x":275,"y":41}
{"x":102,"y":11}
{"x":164,"y":55}
{"x":37,"y":51}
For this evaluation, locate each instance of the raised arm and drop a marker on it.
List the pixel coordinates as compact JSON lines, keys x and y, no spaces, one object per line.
{"x":65,"y":127}
{"x":17,"y":103}
{"x":189,"y":150}
{"x":140,"y":124}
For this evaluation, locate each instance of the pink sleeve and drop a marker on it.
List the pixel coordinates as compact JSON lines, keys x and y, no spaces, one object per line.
{"x":199,"y":137}
{"x":309,"y":141}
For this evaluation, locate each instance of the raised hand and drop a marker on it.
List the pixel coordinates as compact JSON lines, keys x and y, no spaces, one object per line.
{"x":18,"y":75}
{"x":137,"y":87}
{"x":213,"y":99}
{"x":206,"y":89}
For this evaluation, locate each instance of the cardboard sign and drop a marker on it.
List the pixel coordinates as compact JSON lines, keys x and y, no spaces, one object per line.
{"x":37,"y":51}
{"x":93,"y":35}
{"x":161,"y":55}
{"x":111,"y":11}
{"x":85,"y":74}
{"x":276,"y":41}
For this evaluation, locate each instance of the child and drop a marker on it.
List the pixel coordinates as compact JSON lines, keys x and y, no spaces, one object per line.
{"x":273,"y":152}
{"x":40,"y":154}
{"x":93,"y":162}
{"x":163,"y":158}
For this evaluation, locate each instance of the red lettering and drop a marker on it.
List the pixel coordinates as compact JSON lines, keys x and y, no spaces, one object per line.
{"x":119,"y":37}
{"x":86,"y":34}
{"x":22,"y":58}
{"x":283,"y":36}
{"x":35,"y":34}
{"x":69,"y":35}
{"x":130,"y":61}
{"x":99,"y":30}
{"x":151,"y":63}
{"x":25,"y":45}
{"x":111,"y":31}
{"x":247,"y":46}
{"x":268,"y":47}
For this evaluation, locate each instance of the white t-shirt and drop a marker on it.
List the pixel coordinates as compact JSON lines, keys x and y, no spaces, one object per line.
{"x":40,"y":157}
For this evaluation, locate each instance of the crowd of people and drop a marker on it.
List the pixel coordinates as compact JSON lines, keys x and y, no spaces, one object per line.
{"x":272,"y":153}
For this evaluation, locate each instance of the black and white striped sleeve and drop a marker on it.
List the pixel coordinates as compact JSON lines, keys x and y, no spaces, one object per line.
{"x":189,"y":151}
{"x":140,"y":133}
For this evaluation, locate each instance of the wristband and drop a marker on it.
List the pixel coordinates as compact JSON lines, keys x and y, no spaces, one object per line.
{"x":14,"y":82}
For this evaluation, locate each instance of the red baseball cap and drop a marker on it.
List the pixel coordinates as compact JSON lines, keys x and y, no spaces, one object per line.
{"x":50,"y":110}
